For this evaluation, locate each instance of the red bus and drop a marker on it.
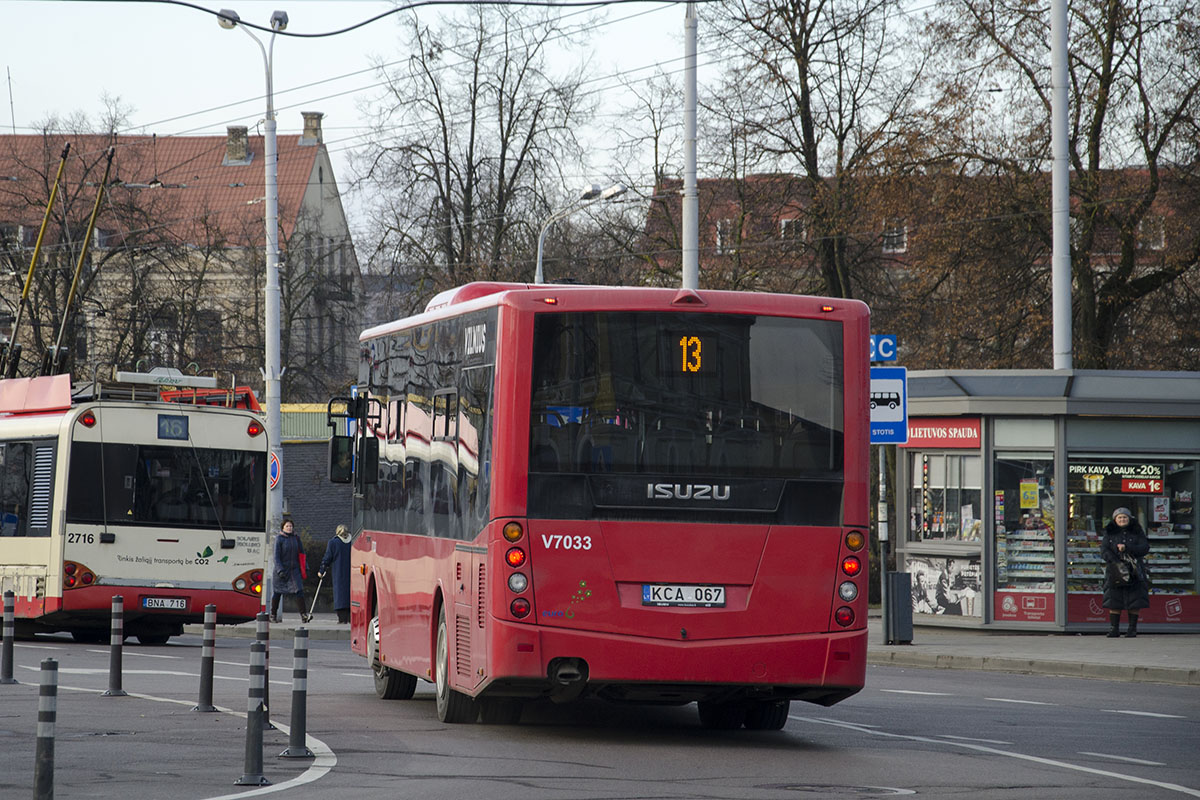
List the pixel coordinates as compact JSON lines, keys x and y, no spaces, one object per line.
{"x":642,"y":495}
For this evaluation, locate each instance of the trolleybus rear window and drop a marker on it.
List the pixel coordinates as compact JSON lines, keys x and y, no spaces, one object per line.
{"x":131,"y":484}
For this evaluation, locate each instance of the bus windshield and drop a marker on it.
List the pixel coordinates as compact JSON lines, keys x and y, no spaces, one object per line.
{"x":687,"y":395}
{"x":132,"y":484}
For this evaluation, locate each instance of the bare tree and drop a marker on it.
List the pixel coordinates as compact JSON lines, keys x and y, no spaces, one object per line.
{"x":469,"y":143}
{"x":1134,"y":97}
{"x":833,"y":91}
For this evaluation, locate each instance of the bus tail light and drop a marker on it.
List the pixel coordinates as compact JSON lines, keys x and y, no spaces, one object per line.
{"x":519,"y":608}
{"x":848,"y":591}
{"x":851,"y":565}
{"x":844,"y":616}
{"x":855,"y":540}
{"x":513,"y":531}
{"x":249,"y":583}
{"x":255,"y":428}
{"x":517,"y":582}
{"x":76,"y":575}
{"x":515,"y":557}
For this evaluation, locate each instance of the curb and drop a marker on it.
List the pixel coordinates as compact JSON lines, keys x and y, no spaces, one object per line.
{"x":1066,"y":669}
{"x":240,"y":632}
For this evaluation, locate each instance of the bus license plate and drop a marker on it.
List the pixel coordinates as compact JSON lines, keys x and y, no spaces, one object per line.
{"x":674,"y":594}
{"x":172,"y":603}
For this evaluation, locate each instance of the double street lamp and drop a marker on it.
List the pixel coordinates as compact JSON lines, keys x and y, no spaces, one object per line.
{"x":589,"y":195}
{"x":229,"y":19}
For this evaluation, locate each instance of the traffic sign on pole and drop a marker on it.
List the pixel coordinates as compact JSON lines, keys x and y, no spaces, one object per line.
{"x":889,"y":405}
{"x":274,"y":470}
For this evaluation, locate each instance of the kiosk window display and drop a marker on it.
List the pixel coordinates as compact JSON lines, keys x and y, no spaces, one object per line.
{"x":945,"y":498}
{"x":1160,"y":493}
{"x":1023,"y":517}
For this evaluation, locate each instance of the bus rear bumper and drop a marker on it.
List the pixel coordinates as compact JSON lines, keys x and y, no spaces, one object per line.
{"x":822,"y":668}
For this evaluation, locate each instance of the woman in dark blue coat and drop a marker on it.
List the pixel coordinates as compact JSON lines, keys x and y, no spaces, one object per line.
{"x":1124,"y":537}
{"x":286,"y":575}
{"x":337,"y":558}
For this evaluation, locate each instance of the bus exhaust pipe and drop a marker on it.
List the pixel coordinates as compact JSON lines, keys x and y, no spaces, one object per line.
{"x":568,"y":679}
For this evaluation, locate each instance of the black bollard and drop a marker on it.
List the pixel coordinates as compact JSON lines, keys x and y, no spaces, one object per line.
{"x":116,"y":642}
{"x":262,"y":634}
{"x":207,"y":659}
{"x":296,"y":747}
{"x":255,"y":711}
{"x":6,"y":656}
{"x":43,"y":764}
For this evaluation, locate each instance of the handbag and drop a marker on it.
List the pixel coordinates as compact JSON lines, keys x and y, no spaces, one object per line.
{"x":1119,"y":573}
{"x":303,"y":565}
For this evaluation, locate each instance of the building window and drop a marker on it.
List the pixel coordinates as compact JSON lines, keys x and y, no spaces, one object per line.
{"x":1152,"y":233}
{"x":726,"y":237}
{"x":895,"y":236}
{"x":792,"y":230}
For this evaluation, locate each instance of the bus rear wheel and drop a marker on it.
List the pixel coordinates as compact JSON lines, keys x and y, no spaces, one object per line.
{"x":452,"y":707}
{"x":767,"y":715}
{"x":392,"y":684}
{"x":153,"y":638}
{"x":89,"y":635}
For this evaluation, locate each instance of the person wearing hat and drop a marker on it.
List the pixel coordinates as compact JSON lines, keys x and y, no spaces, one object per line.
{"x":337,"y":558}
{"x":1125,"y":541}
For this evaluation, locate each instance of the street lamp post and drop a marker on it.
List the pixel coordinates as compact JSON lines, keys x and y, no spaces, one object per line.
{"x":586,"y":198}
{"x":271,"y":371}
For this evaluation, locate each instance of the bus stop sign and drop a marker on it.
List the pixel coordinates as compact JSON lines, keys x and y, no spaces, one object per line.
{"x":889,"y":405}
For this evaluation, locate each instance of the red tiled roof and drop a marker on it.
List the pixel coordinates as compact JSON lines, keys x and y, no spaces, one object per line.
{"x":198,"y":191}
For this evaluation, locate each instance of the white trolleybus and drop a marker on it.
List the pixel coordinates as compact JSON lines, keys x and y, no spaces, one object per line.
{"x":151,"y":486}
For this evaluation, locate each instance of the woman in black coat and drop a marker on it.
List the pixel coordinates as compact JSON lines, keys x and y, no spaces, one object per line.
{"x":1125,"y":537}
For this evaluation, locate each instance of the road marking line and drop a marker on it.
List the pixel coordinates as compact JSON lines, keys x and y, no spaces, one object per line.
{"x":324,"y":762}
{"x":910,"y":691}
{"x":1050,"y":762}
{"x":136,"y":653}
{"x":1023,"y":702}
{"x":1124,"y":758}
{"x":1141,"y":713}
{"x":971,"y":739}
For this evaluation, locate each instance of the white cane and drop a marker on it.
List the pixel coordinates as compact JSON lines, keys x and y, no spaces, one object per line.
{"x":320,"y":580}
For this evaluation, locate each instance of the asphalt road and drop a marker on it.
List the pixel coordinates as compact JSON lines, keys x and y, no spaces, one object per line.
{"x":931,"y":733}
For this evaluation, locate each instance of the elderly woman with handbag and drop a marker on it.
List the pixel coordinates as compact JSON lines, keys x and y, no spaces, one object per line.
{"x":1125,"y":588}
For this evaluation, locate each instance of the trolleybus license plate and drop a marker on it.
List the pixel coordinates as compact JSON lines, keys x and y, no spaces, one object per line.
{"x":174,"y":603}
{"x":674,"y":594}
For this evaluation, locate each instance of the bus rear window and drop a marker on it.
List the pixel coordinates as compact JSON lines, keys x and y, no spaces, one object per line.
{"x":686,"y":394}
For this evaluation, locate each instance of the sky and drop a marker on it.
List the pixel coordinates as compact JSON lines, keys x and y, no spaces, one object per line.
{"x":180,"y":73}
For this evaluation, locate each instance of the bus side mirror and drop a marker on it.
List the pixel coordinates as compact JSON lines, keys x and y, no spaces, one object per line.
{"x":370,"y":465}
{"x":341,"y":459}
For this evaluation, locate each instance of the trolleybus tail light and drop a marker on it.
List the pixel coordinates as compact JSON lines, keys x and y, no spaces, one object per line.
{"x":851,"y":565}
{"x":519,"y":608}
{"x":513,"y":531}
{"x":88,"y":419}
{"x":77,"y":575}
{"x":844,"y":616}
{"x":515,"y":556}
{"x":249,"y":583}
{"x":855,"y":540}
{"x":255,"y":428}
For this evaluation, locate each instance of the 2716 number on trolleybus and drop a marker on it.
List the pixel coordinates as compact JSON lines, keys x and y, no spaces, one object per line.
{"x":642,"y":495}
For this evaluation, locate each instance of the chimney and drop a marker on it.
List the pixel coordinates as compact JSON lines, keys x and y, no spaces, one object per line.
{"x":237,"y":145}
{"x":312,"y":127}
